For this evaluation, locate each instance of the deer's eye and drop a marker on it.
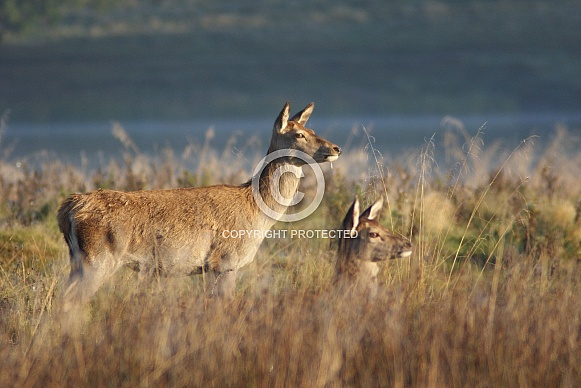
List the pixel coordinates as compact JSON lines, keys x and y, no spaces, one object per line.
{"x":299,"y":136}
{"x":373,"y":235}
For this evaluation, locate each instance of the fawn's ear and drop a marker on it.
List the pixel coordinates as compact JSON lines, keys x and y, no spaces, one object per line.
{"x":303,"y":115}
{"x":352,"y":218}
{"x":373,"y":211}
{"x":282,"y":120}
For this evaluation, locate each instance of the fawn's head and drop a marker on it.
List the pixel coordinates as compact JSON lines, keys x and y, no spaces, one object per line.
{"x":291,"y":134}
{"x":369,"y":240}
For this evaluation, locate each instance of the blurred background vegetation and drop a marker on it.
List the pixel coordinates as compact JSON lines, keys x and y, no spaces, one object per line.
{"x":30,"y":17}
{"x":146,"y":59}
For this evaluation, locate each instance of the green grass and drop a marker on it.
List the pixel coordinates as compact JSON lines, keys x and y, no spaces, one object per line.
{"x":488,"y":298}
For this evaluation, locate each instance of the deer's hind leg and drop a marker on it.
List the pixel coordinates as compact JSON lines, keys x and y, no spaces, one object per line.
{"x":85,"y":279}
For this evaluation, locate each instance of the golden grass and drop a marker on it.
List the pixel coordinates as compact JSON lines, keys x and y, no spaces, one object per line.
{"x":489,"y":297}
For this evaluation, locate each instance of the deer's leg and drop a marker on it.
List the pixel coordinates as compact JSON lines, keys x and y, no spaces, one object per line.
{"x":85,"y":281}
{"x":224,"y":284}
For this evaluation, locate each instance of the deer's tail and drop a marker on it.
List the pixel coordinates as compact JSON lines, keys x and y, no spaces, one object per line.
{"x":66,"y":222}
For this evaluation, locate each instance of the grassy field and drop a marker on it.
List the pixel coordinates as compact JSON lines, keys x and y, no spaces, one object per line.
{"x":490,"y":296}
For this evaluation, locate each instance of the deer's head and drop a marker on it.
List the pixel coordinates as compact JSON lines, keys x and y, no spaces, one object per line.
{"x":291,"y":134}
{"x":370,"y":241}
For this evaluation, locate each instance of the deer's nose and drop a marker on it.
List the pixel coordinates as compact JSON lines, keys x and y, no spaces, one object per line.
{"x":337,"y":149}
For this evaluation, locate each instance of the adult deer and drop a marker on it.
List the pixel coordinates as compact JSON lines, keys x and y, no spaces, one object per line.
{"x":366,"y":243}
{"x":182,"y":231}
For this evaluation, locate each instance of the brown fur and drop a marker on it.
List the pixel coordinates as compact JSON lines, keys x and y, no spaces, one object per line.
{"x":370,"y":243}
{"x":180,"y":231}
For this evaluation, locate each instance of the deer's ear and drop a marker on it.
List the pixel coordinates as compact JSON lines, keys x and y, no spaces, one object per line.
{"x":304,"y":115}
{"x":282,"y":120}
{"x":373,"y":211}
{"x":352,"y":218}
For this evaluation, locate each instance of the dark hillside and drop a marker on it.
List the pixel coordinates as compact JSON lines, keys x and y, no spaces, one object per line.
{"x":216,"y":60}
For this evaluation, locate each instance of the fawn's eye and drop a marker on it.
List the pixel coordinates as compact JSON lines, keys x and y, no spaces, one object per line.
{"x":373,"y":235}
{"x":299,"y":136}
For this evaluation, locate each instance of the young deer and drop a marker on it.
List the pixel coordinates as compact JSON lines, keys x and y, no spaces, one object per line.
{"x":182,"y":231}
{"x":369,"y":243}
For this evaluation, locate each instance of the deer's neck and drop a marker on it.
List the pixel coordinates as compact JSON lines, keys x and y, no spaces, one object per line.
{"x":277,"y":184}
{"x":349,"y":264}
{"x":368,"y":271}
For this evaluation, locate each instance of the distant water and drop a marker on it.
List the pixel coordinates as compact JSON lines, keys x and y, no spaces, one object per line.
{"x":390,"y":135}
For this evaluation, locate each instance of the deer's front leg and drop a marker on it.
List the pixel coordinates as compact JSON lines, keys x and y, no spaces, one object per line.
{"x":224,"y":284}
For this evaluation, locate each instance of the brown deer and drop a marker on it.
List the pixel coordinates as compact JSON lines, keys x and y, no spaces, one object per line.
{"x":365,"y":243}
{"x":182,"y":231}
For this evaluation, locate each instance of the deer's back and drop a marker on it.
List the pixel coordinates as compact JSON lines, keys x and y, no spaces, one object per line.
{"x":184,"y":226}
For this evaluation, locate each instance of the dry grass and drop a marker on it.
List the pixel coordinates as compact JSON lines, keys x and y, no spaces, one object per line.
{"x":489,"y":297}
